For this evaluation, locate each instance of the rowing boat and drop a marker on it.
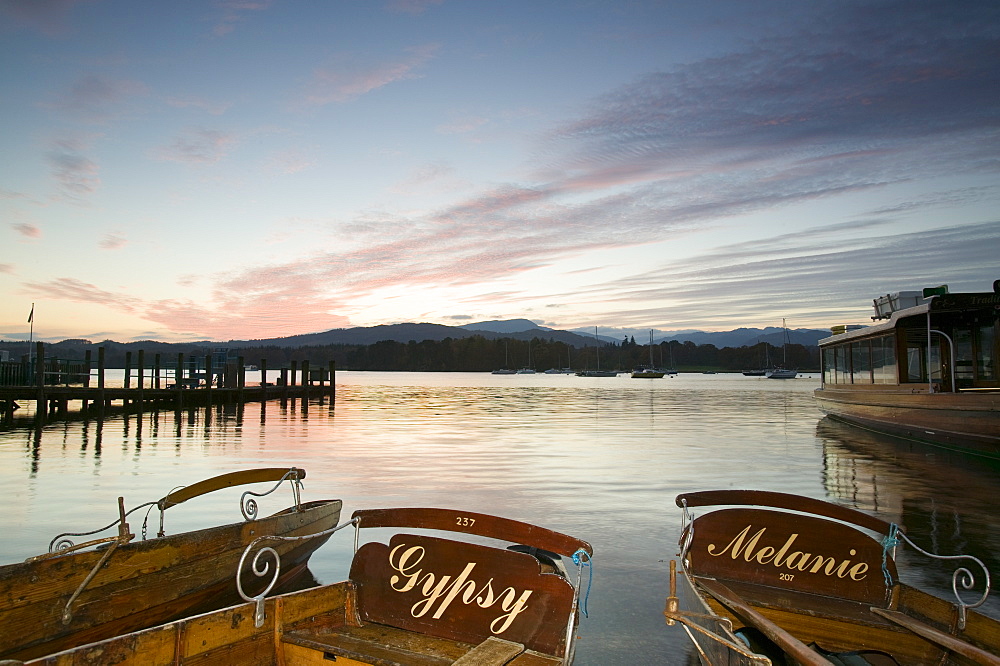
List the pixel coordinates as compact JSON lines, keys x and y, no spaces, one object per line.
{"x":779,"y":578}
{"x":418,"y":600}
{"x":79,"y":593}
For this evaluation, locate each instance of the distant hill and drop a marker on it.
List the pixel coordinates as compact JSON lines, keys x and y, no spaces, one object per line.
{"x":524,"y":329}
{"x":517,"y":329}
{"x":505,"y":326}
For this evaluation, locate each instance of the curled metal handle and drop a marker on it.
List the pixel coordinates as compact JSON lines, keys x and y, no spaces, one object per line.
{"x":261,"y":568}
{"x":961,"y":577}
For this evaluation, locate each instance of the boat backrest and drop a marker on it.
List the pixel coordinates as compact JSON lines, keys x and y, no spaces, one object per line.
{"x":788,"y":549}
{"x":468,"y":522}
{"x":229,"y":480}
{"x":462,"y":591}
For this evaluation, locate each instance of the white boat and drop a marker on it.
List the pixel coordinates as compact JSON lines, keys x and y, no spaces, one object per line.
{"x":651,"y":372}
{"x":598,"y":372}
{"x":505,"y":370}
{"x":782,"y":373}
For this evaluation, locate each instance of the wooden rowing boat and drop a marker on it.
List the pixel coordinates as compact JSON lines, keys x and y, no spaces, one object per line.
{"x":779,"y":578}
{"x":418,"y":600}
{"x":78,"y":594}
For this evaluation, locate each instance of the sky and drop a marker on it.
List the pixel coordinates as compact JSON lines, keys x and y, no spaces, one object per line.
{"x":246,"y":169}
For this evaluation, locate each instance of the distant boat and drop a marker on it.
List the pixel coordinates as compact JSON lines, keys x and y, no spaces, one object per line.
{"x":505,"y":370}
{"x":527,"y":370}
{"x":782,"y":373}
{"x":598,"y":372}
{"x":651,"y":372}
{"x":763,"y":369}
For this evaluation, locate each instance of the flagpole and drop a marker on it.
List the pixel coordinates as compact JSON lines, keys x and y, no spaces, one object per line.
{"x":31,"y":339}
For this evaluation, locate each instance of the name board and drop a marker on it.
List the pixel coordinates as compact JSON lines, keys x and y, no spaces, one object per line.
{"x":462,"y":591}
{"x":790,"y":551}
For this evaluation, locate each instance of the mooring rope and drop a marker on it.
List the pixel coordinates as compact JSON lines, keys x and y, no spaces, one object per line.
{"x":578,"y":557}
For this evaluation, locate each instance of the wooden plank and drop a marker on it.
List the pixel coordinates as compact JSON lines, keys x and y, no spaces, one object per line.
{"x":939,"y":637}
{"x":468,"y":522}
{"x":229,"y":480}
{"x":784,"y":501}
{"x":491,"y":652}
{"x":784,"y":640}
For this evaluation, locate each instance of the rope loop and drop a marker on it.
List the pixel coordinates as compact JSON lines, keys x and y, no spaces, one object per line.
{"x":578,"y":560}
{"x":889,"y":542}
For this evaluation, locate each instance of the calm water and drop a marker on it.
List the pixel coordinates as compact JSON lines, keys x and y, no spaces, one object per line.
{"x":601,"y":459}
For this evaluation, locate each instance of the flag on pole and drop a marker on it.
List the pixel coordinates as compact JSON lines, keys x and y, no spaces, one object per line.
{"x":31,"y":315}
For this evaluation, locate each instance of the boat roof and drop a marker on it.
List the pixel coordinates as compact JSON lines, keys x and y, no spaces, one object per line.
{"x":939,"y":303}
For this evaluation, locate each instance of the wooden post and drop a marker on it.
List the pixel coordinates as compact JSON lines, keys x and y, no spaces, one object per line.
{"x":156,"y":371}
{"x":178,"y":385}
{"x":86,"y":369}
{"x":284,"y":386}
{"x":41,"y":407}
{"x":306,"y":380}
{"x":263,"y":378}
{"x":100,"y":380}
{"x":128,"y":369}
{"x":333,"y":382}
{"x":140,"y":377}
{"x":241,"y":378}
{"x":208,"y":379}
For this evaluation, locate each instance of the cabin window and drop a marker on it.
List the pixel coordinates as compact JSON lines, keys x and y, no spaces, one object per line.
{"x":861,"y":362}
{"x":964,"y":355}
{"x":829,"y":365}
{"x":987,"y":345}
{"x":884,"y":360}
{"x":843,"y":365}
{"x":915,"y":355}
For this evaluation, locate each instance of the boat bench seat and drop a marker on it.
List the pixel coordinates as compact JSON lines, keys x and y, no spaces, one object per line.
{"x":383,"y":645}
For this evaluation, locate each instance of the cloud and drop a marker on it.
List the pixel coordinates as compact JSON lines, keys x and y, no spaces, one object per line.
{"x":413,"y":7}
{"x":113,"y":241}
{"x":97,"y":99}
{"x":47,"y":16}
{"x":235,"y":12}
{"x":345,"y":82}
{"x":7,"y":269}
{"x":212,"y":108}
{"x":27,"y":230}
{"x":197,"y":146}
{"x":72,"y":289}
{"x":76,"y":175}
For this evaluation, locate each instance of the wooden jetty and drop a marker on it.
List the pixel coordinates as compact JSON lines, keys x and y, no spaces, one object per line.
{"x":180,"y":383}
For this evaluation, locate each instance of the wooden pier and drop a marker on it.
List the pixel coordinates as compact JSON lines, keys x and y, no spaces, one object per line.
{"x":188,"y":382}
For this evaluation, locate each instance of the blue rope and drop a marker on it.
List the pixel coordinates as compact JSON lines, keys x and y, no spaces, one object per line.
{"x":888,"y":543}
{"x":578,"y":561}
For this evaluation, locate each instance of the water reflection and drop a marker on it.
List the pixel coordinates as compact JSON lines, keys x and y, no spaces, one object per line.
{"x":945,"y":501}
{"x":601,"y":459}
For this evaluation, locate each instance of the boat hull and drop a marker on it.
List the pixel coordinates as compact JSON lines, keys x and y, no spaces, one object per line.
{"x":965,"y":421}
{"x":143,"y":583}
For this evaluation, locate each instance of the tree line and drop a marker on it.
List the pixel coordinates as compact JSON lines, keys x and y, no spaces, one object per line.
{"x":472,"y":354}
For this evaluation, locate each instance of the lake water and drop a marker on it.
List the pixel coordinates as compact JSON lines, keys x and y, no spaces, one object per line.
{"x":599,"y":458}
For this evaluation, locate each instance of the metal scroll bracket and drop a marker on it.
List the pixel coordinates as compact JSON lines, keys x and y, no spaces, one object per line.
{"x":961,"y":577}
{"x":260,"y":567}
{"x":124,"y":536}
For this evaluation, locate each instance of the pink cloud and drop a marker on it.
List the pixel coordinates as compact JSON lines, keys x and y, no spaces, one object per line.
{"x":71,"y":289}
{"x":27,"y":230}
{"x":47,"y":16}
{"x":113,"y":241}
{"x":197,"y":146}
{"x":235,"y":12}
{"x":343,"y":84}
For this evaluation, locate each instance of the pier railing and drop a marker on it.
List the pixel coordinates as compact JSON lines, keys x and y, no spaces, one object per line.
{"x":178,"y":382}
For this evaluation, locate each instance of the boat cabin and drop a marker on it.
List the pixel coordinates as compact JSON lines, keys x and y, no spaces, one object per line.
{"x":931,"y":341}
